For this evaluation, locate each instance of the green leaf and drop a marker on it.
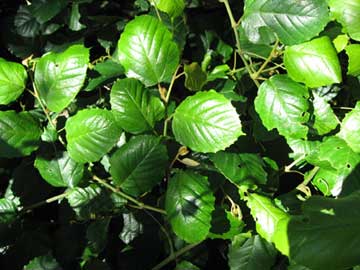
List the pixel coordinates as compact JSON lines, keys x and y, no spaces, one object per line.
{"x":340,"y":42}
{"x":302,"y":147}
{"x":90,"y":134}
{"x":219,"y":72}
{"x":206,"y":122}
{"x":74,"y":19}
{"x":195,"y":77}
{"x":350,"y":128}
{"x":185,"y":265}
{"x":45,"y":262}
{"x":325,"y":119}
{"x":353,"y":52}
{"x":13,"y":78}
{"x":60,"y":171}
{"x":45,"y":10}
{"x":8,"y":210}
{"x":139,"y":165}
{"x":60,"y":76}
{"x":328,"y":182}
{"x":131,"y":229}
{"x":189,"y":202}
{"x":293,"y":21}
{"x":314,"y":63}
{"x":25,"y":23}
{"x":224,"y":225}
{"x":174,"y":7}
{"x":97,"y":234}
{"x":262,"y":50}
{"x":347,"y":13}
{"x":135,"y":108}
{"x":107,"y":71}
{"x":282,"y":103}
{"x":251,"y":254}
{"x":147,"y":51}
{"x":241,"y":169}
{"x":19,"y":134}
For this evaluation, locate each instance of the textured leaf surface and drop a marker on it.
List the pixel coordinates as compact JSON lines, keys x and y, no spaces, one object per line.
{"x":19,"y":134}
{"x":90,"y":134}
{"x":189,"y":202}
{"x":45,"y":10}
{"x":12,"y":81}
{"x":60,"y":76}
{"x":174,"y":7}
{"x":139,"y":165}
{"x":350,"y":128}
{"x":195,"y":77}
{"x":206,"y":122}
{"x":251,"y":254}
{"x":61,"y":171}
{"x":314,"y":63}
{"x":282,"y":103}
{"x":25,"y":23}
{"x":241,"y":169}
{"x":325,"y":119}
{"x":353,"y":52}
{"x":347,"y":13}
{"x":147,"y":51}
{"x":293,"y":21}
{"x":135,"y":108}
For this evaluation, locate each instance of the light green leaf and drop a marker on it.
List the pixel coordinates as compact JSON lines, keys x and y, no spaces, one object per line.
{"x":347,"y":13}
{"x":293,"y":21}
{"x":224,"y":225}
{"x":90,"y":134}
{"x":340,"y":42}
{"x":139,"y":165}
{"x":135,"y":108}
{"x":147,"y":51}
{"x":13,"y":78}
{"x":45,"y":262}
{"x":174,"y":7}
{"x":302,"y":147}
{"x":131,"y":229}
{"x":282,"y":103}
{"x":350,"y":128}
{"x":19,"y":134}
{"x":206,"y":122}
{"x":60,"y":171}
{"x":219,"y":72}
{"x":60,"y":76}
{"x":243,"y":169}
{"x":353,"y":52}
{"x":8,"y":210}
{"x":195,"y":77}
{"x":251,"y":254}
{"x":45,"y":10}
{"x":325,"y":119}
{"x":189,"y":202}
{"x":314,"y":63}
{"x":328,"y":182}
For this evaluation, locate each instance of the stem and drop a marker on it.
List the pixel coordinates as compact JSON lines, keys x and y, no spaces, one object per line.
{"x":156,"y":10}
{"x":288,"y":168}
{"x":310,"y":176}
{"x":128,"y":197}
{"x":267,"y":61}
{"x":50,"y":200}
{"x":174,"y":256}
{"x":173,"y":79}
{"x":166,"y":122}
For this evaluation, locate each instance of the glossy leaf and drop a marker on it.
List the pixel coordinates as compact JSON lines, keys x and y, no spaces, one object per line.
{"x":13,"y":78}
{"x":19,"y":134}
{"x":45,"y":10}
{"x":328,"y":182}
{"x":347,"y":13}
{"x":135,"y":108}
{"x":314,"y":63}
{"x":139,"y":165}
{"x":90,"y":134}
{"x":282,"y":104}
{"x":107,"y":72}
{"x":60,"y":171}
{"x":206,"y":122}
{"x":147,"y":51}
{"x":74,"y":20}
{"x":224,"y":225}
{"x":353,"y":52}
{"x":60,"y":76}
{"x":189,"y":202}
{"x":325,"y":119}
{"x":241,"y":169}
{"x":293,"y":21}
{"x":350,"y":128}
{"x":251,"y":254}
{"x":174,"y":7}
{"x":25,"y":23}
{"x":195,"y":77}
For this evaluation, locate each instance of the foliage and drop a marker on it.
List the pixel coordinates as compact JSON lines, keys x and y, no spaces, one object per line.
{"x":182,"y":134}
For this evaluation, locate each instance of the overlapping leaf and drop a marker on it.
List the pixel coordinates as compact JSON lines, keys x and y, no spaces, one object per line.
{"x":353,"y":52}
{"x":350,"y":128}
{"x":325,"y":119}
{"x":174,"y":8}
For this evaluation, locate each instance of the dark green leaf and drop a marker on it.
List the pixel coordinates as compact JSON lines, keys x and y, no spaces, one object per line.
{"x":131,"y":229}
{"x":74,"y":20}
{"x":185,"y":265}
{"x":8,"y":210}
{"x":97,"y":234}
{"x":46,"y":262}
{"x":25,"y":23}
{"x":45,"y":10}
{"x":224,"y":225}
{"x":195,"y":77}
{"x":108,"y":71}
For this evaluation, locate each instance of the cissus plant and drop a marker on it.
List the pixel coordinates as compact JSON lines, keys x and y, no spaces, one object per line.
{"x":180,"y":134}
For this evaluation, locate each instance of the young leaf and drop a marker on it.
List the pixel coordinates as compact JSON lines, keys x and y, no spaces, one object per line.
{"x":347,"y":13}
{"x":195,"y":77}
{"x":251,"y":254}
{"x":19,"y":134}
{"x":13,"y":78}
{"x":147,"y":51}
{"x":90,"y":134}
{"x":282,"y":103}
{"x":189,"y":202}
{"x":174,"y":7}
{"x":60,"y":76}
{"x":353,"y":52}
{"x":206,"y":122}
{"x":61,"y":171}
{"x":293,"y":21}
{"x":134,"y":107}
{"x":139,"y":164}
{"x":314,"y":63}
{"x":325,"y":119}
{"x":350,"y":128}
